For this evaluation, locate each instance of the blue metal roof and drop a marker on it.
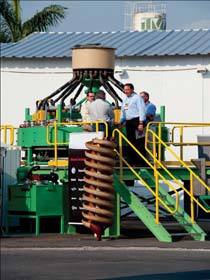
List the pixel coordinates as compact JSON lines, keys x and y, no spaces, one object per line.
{"x":127,"y":43}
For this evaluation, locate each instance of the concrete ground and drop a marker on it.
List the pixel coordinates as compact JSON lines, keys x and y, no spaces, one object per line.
{"x":78,"y":257}
{"x":135,"y":255}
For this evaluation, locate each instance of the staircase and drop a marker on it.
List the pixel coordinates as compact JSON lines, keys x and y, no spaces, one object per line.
{"x":159,"y":229}
{"x":151,"y":178}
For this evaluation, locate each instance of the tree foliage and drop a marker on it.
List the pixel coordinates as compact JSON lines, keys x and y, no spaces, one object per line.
{"x":13,"y":29}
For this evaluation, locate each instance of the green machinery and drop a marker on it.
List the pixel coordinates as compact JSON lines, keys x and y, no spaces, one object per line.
{"x":43,"y":179}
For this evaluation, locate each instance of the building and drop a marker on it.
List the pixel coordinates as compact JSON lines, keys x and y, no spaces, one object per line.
{"x":172,"y":65}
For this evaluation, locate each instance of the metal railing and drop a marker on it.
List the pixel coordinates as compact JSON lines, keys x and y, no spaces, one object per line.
{"x":121,"y":137}
{"x":56,"y":127}
{"x":7,"y":131}
{"x":181,"y":127}
{"x":156,"y":143}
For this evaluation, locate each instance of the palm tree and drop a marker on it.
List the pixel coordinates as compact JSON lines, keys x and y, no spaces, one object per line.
{"x":12,"y":27}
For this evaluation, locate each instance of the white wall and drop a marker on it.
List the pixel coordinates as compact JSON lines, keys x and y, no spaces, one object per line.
{"x":175,"y":83}
{"x":171,"y":81}
{"x":25,"y":81}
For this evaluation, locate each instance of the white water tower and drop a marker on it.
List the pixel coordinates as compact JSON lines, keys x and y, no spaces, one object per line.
{"x":144,"y":15}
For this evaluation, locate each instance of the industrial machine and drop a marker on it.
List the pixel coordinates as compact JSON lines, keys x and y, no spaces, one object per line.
{"x":92,"y":184}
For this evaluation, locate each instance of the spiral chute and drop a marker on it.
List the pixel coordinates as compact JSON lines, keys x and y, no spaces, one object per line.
{"x":99,"y":190}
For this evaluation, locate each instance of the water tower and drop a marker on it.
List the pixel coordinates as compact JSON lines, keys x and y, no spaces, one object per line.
{"x":144,"y":15}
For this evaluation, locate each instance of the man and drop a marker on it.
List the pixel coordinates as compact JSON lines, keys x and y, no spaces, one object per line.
{"x":149,"y":107}
{"x":150,"y":116}
{"x":84,"y":108}
{"x":100,"y":110}
{"x":85,"y":111}
{"x":133,"y":116}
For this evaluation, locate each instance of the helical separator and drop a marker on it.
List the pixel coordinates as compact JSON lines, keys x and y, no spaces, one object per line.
{"x":98,"y":189}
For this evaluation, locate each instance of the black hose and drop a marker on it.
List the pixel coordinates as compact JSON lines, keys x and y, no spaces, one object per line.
{"x":76,"y":83}
{"x":44,"y":101}
{"x":63,"y":93}
{"x":114,"y":92}
{"x":71,"y":89}
{"x":108,"y":89}
{"x":34,"y":168}
{"x":91,"y":81}
{"x":118,"y":84}
{"x":78,"y":92}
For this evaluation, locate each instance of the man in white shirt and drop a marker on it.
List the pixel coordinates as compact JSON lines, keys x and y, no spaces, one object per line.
{"x":85,"y":111}
{"x":85,"y":105}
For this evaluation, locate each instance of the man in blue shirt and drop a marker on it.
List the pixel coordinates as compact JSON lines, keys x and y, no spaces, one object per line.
{"x":150,"y":115}
{"x":149,"y":106}
{"x":133,"y":116}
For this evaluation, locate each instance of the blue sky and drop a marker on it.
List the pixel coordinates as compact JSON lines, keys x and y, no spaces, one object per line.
{"x":109,"y":15}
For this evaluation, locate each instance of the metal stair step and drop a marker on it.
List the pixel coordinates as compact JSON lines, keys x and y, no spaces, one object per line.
{"x":185,"y":233}
{"x":163,"y":196}
{"x":176,"y":224}
{"x":170,"y":205}
{"x":179,"y":215}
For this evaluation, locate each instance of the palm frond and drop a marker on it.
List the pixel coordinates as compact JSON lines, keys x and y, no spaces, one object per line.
{"x":7,"y":12}
{"x":41,"y":21}
{"x":17,"y":8}
{"x":5,"y":32}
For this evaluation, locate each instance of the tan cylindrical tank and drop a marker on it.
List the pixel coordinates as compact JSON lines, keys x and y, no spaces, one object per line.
{"x":93,"y":57}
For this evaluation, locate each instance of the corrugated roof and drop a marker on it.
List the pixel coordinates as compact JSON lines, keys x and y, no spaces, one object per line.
{"x":127,"y":43}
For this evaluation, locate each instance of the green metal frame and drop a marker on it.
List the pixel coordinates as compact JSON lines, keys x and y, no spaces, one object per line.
{"x":36,"y":201}
{"x":146,"y":217}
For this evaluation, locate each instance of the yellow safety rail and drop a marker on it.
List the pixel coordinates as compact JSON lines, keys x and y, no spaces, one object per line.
{"x":7,"y":129}
{"x":56,"y":143}
{"x":117,"y":133}
{"x":157,"y":140}
{"x":181,"y":142}
{"x":181,"y":126}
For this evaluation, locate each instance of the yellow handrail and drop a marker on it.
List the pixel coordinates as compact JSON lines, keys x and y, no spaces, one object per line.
{"x":5,"y":128}
{"x":181,"y":126}
{"x":181,"y":142}
{"x":65,"y":124}
{"x":181,"y":129}
{"x":156,"y":174}
{"x":192,"y":174}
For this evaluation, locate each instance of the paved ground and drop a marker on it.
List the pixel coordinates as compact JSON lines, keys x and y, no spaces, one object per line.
{"x":77,"y":257}
{"x":104,"y":263}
